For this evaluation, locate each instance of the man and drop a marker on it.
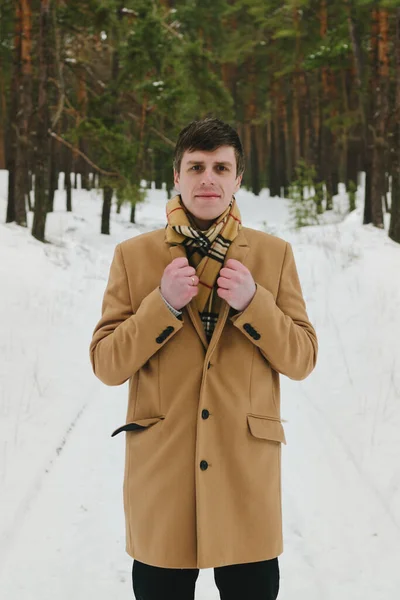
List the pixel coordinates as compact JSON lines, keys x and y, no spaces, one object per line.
{"x":202,"y":316}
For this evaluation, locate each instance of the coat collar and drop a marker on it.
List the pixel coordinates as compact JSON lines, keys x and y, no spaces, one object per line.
{"x":238,"y":250}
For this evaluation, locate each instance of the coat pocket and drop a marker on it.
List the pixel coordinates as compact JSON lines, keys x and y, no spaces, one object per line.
{"x":267,"y":428}
{"x":138,"y":425}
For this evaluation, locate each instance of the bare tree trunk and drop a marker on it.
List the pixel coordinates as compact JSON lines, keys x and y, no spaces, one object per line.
{"x":67,"y":179}
{"x":275,"y":169}
{"x":53,"y":171}
{"x":105,"y":215}
{"x":325,"y":137}
{"x":286,"y":139}
{"x":363,"y":106}
{"x":394,"y":229}
{"x":107,"y":189}
{"x":24,"y":108}
{"x":3,"y":110}
{"x":43,"y":122}
{"x":133,"y":213}
{"x":12,"y":124}
{"x":255,"y":174}
{"x":381,"y":67}
{"x":83,"y":167}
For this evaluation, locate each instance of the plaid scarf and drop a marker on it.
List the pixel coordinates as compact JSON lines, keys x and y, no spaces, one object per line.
{"x":205,"y":251}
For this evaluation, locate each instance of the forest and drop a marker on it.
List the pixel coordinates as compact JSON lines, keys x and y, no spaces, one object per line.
{"x":100,"y":90}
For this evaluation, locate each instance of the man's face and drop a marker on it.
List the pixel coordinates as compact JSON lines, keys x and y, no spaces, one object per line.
{"x":206,"y":183}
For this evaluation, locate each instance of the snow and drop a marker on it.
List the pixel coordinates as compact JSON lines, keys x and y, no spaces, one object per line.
{"x":61,"y":514}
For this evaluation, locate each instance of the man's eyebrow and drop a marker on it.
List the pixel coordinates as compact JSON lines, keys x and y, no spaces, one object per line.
{"x":217,"y":162}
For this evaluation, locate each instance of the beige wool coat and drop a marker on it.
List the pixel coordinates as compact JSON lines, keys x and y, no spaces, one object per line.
{"x":202,"y":484}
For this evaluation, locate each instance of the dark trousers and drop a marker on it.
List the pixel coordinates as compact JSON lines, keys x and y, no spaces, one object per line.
{"x":249,"y":581}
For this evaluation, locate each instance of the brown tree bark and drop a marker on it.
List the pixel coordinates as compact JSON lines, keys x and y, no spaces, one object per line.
{"x":326,"y":145}
{"x":24,"y":108}
{"x":363,"y":106}
{"x":394,"y":229}
{"x":42,"y":125}
{"x":107,"y":189}
{"x":53,"y":172}
{"x":381,"y":109}
{"x":106,"y":211}
{"x":11,"y":135}
{"x":3,"y":109}
{"x":68,"y":160}
{"x":82,"y":166}
{"x":286,"y":140}
{"x":296,"y":93}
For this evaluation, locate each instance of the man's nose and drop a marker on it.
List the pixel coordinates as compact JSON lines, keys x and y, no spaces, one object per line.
{"x":208,"y":176}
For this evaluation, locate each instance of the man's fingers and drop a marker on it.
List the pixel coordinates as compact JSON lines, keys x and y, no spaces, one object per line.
{"x":181,"y":261}
{"x":234,"y":264}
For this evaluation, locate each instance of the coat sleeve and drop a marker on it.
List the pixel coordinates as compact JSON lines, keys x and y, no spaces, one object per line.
{"x":124,"y":341}
{"x":281,"y":329}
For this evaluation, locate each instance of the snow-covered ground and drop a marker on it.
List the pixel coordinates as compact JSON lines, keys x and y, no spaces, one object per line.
{"x":61,"y":517}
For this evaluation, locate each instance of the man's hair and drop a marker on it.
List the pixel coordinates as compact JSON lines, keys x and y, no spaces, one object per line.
{"x":207,"y":135}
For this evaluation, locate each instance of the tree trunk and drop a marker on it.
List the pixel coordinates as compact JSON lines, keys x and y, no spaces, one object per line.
{"x":3,"y":110}
{"x":67,"y":180}
{"x":106,"y":212}
{"x":53,"y":172}
{"x":287,"y":148}
{"x":255,"y":175}
{"x":274,"y":181}
{"x":394,"y":229}
{"x":381,"y":68}
{"x":363,"y":106}
{"x":133,"y":213}
{"x":107,"y":189}
{"x":10,"y":217}
{"x":28,"y":191}
{"x":158,"y":169}
{"x":325,"y":154}
{"x":42,"y":125}
{"x":12,"y":121}
{"x":24,"y":108}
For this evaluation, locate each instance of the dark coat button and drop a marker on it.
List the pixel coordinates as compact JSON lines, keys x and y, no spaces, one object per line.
{"x":205,"y":414}
{"x":203,"y":465}
{"x":247,"y":327}
{"x":160,"y":339}
{"x":256,"y":335}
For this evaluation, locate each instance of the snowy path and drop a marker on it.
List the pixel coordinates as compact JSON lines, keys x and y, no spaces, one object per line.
{"x":61,"y":519}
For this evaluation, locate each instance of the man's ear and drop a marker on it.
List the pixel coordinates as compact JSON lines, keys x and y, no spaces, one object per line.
{"x":238,"y":182}
{"x":176,"y":180}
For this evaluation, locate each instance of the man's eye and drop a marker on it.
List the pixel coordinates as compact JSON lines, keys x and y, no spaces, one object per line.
{"x":196,"y":166}
{"x":222,"y":167}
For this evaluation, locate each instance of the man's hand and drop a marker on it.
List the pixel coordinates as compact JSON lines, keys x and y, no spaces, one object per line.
{"x":177,"y":286}
{"x":236,"y":285}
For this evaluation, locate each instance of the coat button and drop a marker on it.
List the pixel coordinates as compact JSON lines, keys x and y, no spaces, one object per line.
{"x":203,"y":465}
{"x":205,"y":414}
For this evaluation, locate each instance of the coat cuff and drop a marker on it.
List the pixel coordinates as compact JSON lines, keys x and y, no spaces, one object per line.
{"x":262,"y":302}
{"x":177,"y":313}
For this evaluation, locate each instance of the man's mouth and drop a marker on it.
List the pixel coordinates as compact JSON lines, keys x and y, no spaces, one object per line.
{"x":210,"y":195}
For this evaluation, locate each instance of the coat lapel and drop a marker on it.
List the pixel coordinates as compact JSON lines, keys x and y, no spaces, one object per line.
{"x":237,"y":250}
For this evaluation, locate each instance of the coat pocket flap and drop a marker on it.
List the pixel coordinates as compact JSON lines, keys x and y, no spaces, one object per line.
{"x":266,"y":428}
{"x":138,"y":424}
